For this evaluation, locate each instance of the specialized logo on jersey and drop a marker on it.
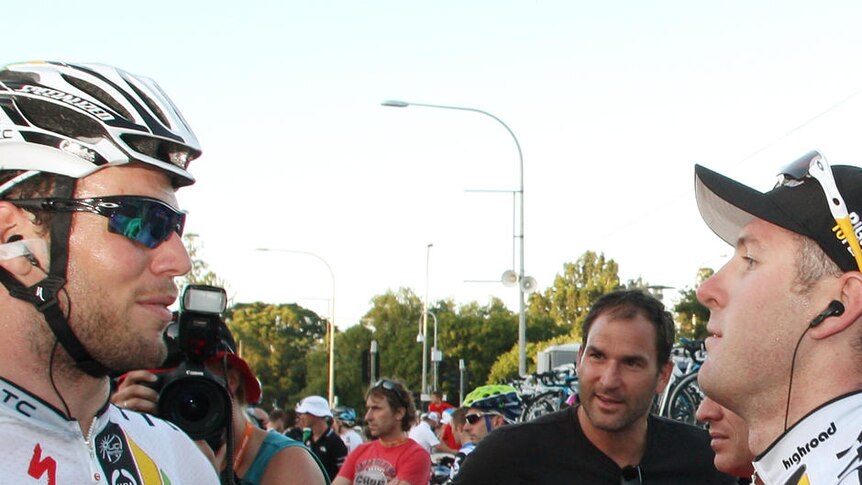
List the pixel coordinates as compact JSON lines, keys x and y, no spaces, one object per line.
{"x":40,"y":467}
{"x":124,"y":462}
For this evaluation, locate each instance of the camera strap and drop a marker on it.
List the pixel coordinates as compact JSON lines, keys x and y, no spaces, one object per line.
{"x":243,"y":444}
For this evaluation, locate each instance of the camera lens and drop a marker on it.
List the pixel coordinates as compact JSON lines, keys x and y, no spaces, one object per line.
{"x":194,"y":405}
{"x":197,"y":404}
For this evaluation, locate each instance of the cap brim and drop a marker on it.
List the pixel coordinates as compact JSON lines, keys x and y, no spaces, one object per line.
{"x":250,"y":382}
{"x":713,"y":191}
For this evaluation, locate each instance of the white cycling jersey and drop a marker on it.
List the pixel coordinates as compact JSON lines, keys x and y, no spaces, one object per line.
{"x":825,"y":448}
{"x":39,"y":445}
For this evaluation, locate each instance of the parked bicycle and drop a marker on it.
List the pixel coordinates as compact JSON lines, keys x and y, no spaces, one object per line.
{"x":683,"y":395}
{"x":547,"y":392}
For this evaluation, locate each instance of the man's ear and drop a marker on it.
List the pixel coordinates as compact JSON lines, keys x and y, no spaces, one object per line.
{"x":399,"y":414}
{"x":233,"y":381}
{"x":851,"y":299}
{"x":664,"y":376}
{"x":16,"y":224}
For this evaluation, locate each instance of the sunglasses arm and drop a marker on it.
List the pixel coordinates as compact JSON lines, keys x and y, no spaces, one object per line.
{"x":837,"y":207}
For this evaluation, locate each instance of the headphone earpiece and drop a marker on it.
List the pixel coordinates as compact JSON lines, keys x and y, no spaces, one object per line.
{"x":27,"y":254}
{"x":835,"y":308}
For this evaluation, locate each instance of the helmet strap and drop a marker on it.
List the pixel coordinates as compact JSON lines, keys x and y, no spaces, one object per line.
{"x":44,"y":294}
{"x":488,"y":423}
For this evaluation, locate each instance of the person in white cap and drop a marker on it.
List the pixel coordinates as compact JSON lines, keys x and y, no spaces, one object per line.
{"x":315,"y":416}
{"x":424,"y":434}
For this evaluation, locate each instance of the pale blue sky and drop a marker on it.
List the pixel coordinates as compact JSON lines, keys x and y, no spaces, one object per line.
{"x":612,"y":103}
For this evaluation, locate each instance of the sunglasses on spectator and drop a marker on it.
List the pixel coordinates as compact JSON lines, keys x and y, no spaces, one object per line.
{"x":142,"y":219}
{"x":814,"y":165}
{"x":631,"y":475}
{"x":474,"y":418}
{"x":392,"y":387}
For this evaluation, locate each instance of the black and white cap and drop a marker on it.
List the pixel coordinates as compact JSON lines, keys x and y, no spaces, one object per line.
{"x":727,"y":206}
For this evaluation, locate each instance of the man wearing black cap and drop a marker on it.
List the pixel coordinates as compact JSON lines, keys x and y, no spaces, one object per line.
{"x":785,"y":345}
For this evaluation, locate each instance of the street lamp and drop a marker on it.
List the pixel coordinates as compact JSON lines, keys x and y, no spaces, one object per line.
{"x":423,"y":395}
{"x":436,"y":356}
{"x":331,"y":316}
{"x":526,"y":284}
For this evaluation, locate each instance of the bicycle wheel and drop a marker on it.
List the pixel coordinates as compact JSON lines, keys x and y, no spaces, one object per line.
{"x":540,"y":405}
{"x":684,"y":400}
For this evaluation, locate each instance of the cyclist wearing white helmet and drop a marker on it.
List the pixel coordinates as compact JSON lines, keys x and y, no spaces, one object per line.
{"x":90,"y":159}
{"x":609,"y":437}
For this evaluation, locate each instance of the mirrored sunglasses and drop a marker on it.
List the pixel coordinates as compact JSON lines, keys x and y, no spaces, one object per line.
{"x":145,"y":220}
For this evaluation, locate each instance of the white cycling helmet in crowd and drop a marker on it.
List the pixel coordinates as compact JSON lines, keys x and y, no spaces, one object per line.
{"x":70,"y":120}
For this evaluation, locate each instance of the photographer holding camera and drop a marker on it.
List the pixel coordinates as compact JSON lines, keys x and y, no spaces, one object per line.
{"x":205,"y":388}
{"x":90,"y":160}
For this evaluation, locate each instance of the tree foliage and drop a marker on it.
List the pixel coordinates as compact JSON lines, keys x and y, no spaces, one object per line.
{"x":568,"y":300}
{"x":200,"y":273}
{"x":563,"y":307}
{"x":286,"y":345}
{"x":691,"y":315}
{"x":274,"y":340}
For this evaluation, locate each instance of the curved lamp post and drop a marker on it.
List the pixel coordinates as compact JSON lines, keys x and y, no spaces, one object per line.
{"x":331,"y":391}
{"x":522,"y":288}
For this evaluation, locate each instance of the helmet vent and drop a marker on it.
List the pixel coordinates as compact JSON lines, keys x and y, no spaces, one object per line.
{"x":57,"y":119}
{"x":151,"y":104}
{"x":100,"y":94}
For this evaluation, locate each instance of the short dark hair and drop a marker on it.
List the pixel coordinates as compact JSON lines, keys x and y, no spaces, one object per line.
{"x":40,"y":185}
{"x":397,"y":396}
{"x":276,"y":414}
{"x":459,"y":417}
{"x":626,"y":304}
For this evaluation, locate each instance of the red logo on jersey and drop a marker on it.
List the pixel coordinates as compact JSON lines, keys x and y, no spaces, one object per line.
{"x":39,"y":467}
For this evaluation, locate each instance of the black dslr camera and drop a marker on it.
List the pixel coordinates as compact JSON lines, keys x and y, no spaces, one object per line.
{"x":191,"y":396}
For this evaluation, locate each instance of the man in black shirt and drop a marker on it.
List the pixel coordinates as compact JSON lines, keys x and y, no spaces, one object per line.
{"x":314,"y":418}
{"x":610,"y":437}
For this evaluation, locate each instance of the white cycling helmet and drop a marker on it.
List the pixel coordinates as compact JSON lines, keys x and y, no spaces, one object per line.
{"x":73,"y":119}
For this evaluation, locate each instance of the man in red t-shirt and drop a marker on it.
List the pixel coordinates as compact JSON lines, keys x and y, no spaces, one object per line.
{"x":439,"y":406}
{"x":392,"y":458}
{"x":447,"y":434}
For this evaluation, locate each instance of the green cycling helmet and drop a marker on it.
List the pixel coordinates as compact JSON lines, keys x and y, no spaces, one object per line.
{"x":499,"y":398}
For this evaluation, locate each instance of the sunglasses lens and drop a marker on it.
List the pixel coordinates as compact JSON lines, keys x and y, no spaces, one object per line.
{"x":473,"y":418}
{"x":145,"y":221}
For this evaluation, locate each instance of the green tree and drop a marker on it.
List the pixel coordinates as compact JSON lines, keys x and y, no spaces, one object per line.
{"x":395,"y":318}
{"x":691,"y":316}
{"x":200,"y":273}
{"x":274,"y":340}
{"x":351,"y":347}
{"x":568,"y":300}
{"x":565,"y":303}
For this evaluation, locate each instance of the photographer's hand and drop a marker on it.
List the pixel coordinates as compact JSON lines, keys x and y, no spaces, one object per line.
{"x":132,"y":394}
